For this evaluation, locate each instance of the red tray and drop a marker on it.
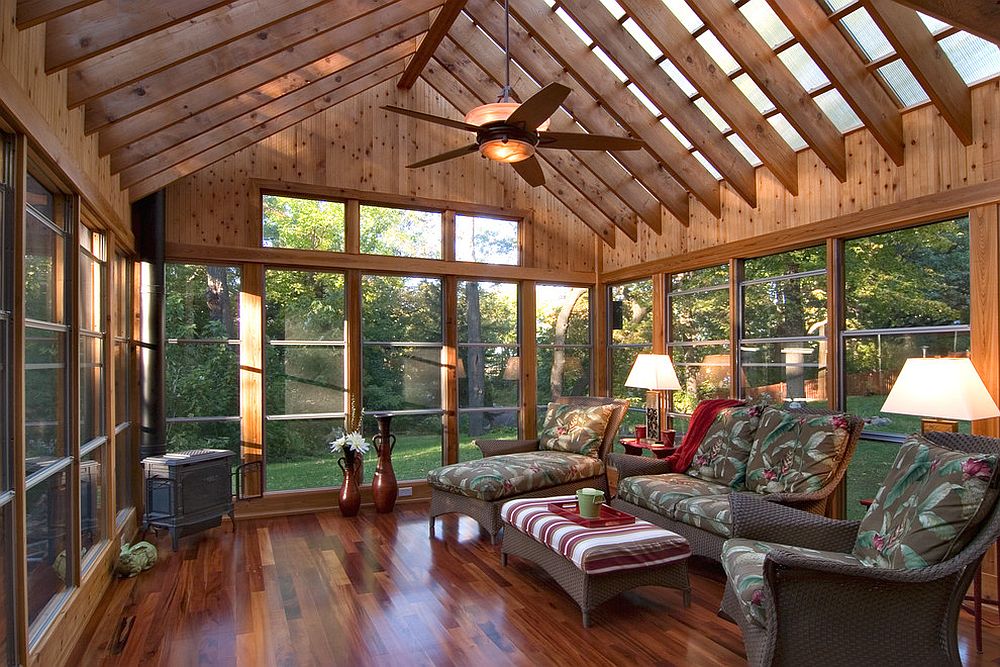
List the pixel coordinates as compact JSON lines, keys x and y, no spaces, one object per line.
{"x":609,"y":515}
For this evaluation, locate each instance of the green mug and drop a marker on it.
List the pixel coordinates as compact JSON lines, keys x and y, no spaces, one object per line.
{"x":590,"y":501}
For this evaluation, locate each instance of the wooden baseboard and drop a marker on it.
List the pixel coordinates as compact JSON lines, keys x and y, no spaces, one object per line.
{"x":307,"y":501}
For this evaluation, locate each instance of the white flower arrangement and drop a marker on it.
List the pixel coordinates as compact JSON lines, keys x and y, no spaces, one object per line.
{"x":352,"y":441}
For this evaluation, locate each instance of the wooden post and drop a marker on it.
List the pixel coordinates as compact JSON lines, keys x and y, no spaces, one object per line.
{"x":449,"y":369}
{"x":352,"y":227}
{"x":448,"y":235}
{"x":600,"y":384}
{"x":252,"y":374}
{"x":735,"y":327}
{"x":529,"y":359}
{"x":20,"y":538}
{"x":68,"y":209}
{"x":110,"y":317}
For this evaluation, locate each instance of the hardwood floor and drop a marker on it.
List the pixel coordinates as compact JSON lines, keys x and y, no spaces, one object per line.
{"x":373,"y":590}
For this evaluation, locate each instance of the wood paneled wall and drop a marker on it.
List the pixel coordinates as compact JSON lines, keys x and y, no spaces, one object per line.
{"x":356,"y":145}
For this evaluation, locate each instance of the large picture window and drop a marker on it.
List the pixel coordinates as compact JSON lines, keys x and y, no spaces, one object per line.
{"x":125,"y":455}
{"x":7,"y":282}
{"x":631,"y":311}
{"x":563,"y":332}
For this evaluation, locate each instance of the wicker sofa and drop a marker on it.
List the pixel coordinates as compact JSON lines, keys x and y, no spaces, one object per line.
{"x":575,"y":471}
{"x":696,"y":505}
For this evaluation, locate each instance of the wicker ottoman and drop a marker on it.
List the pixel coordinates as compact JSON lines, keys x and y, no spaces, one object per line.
{"x":594,"y":565}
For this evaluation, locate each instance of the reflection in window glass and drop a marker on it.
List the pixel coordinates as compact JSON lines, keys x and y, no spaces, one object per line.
{"x":400,"y":232}
{"x":304,"y":224}
{"x":486,"y":240}
{"x":93,"y":496}
{"x":631,"y":312}
{"x":47,"y":506}
{"x":123,"y":349}
{"x":698,"y":307}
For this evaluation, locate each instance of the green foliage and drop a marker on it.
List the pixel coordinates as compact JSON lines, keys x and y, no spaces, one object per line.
{"x":305,"y":224}
{"x":400,"y":232}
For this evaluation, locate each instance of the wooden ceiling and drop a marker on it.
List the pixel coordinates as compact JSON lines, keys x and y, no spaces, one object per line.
{"x":174,"y":86}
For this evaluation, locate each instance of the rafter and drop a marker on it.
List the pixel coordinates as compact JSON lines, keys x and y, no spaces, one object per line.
{"x":980,"y":17}
{"x":671,"y":37}
{"x":460,"y":97}
{"x":261,"y":132}
{"x":923,"y":55}
{"x":843,"y":66}
{"x":439,"y":28}
{"x":33,"y":12}
{"x":93,"y":30}
{"x":766,"y":69}
{"x":590,"y":73}
{"x":542,"y":67}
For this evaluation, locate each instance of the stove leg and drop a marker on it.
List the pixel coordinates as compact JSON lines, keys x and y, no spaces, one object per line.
{"x":232,"y":518}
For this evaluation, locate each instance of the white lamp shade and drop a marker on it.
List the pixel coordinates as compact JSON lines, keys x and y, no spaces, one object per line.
{"x":944,"y":388}
{"x":653,"y":371}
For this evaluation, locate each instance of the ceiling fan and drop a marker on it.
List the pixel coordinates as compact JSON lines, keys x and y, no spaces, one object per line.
{"x":510,"y":132}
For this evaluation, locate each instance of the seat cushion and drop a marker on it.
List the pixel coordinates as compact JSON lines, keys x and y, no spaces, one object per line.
{"x":795,"y":452}
{"x":928,"y":507}
{"x":724,"y":451}
{"x":743,"y":561}
{"x":578,"y":429}
{"x":496,"y":477}
{"x":711,"y":513}
{"x":659,"y":493}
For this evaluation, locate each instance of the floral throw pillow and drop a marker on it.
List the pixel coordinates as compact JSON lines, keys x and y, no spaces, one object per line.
{"x":723,"y":453}
{"x":575,"y":428}
{"x":796,"y":452}
{"x":928,"y":507}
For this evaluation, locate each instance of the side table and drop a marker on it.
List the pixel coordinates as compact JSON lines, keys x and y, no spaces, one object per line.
{"x":660,"y":450}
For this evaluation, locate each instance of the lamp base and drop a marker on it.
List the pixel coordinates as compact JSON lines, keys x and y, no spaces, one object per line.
{"x":931,"y":425}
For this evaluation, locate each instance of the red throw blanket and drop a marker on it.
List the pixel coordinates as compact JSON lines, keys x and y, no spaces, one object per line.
{"x":702,"y":417}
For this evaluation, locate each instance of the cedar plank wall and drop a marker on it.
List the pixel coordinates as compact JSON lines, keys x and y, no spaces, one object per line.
{"x":356,"y":145}
{"x":22,"y":53}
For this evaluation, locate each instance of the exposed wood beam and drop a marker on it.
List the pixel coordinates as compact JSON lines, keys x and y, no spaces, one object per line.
{"x":923,"y":55}
{"x":439,"y":28}
{"x":96,"y":29}
{"x":671,"y":37}
{"x":152,"y":53}
{"x":591,"y":74}
{"x":460,"y":97}
{"x":484,"y":53}
{"x":980,"y":17}
{"x":262,"y":131}
{"x":843,"y":66}
{"x":229,"y":76}
{"x":766,"y":69}
{"x":662,"y":90}
{"x":33,"y":12}
{"x":246,"y":122}
{"x":542,"y":67}
{"x":384,"y":48}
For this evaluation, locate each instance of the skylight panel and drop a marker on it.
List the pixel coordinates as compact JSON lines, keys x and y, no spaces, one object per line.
{"x":838,"y":110}
{"x":973,"y":57}
{"x":550,"y":3}
{"x":787,"y":132}
{"x":803,"y":67}
{"x":719,"y":53}
{"x":646,"y":102}
{"x":861,"y":26}
{"x":762,"y":17}
{"x":574,"y":26}
{"x":613,"y":7}
{"x":643,"y":39}
{"x":753,"y":93}
{"x":677,"y":77}
{"x":610,"y":64}
{"x":712,"y":114}
{"x":684,"y":14}
{"x":932,"y":23}
{"x":744,"y":150}
{"x":708,"y":165}
{"x":903,"y":84}
{"x":836,"y":5}
{"x":677,"y":133}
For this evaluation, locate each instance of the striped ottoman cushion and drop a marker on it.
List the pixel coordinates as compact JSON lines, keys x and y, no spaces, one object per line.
{"x":595,"y":550}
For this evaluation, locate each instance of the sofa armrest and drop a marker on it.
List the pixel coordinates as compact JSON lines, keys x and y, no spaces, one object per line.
{"x":499,"y":447}
{"x":758,"y":518}
{"x":629,"y":465}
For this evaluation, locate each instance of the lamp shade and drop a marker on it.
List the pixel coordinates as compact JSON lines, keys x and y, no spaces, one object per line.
{"x":653,"y":371}
{"x":944,"y":388}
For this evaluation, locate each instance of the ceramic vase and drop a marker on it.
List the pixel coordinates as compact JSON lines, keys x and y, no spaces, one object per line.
{"x":384,"y":486}
{"x":350,"y":493}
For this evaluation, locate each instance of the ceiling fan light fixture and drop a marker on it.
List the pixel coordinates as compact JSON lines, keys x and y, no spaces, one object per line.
{"x":507,"y":150}
{"x":496,"y":112}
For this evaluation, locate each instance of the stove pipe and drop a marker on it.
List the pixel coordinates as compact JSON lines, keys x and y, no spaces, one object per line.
{"x":148,"y":225}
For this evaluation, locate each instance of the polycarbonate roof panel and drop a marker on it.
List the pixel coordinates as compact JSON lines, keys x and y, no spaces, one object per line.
{"x":684,"y":14}
{"x":862,"y":27}
{"x":902,"y":82}
{"x":678,"y":78}
{"x":616,"y":10}
{"x":642,"y":38}
{"x":932,"y":23}
{"x":646,"y":102}
{"x":803,"y":67}
{"x":754,"y":93}
{"x":762,"y":17}
{"x":719,"y":53}
{"x":610,"y":64}
{"x":713,"y":115}
{"x":676,"y":132}
{"x":744,"y":150}
{"x":787,"y":132}
{"x":708,"y":165}
{"x":838,"y":110}
{"x":574,"y":26}
{"x":973,"y":57}
{"x":835,"y":5}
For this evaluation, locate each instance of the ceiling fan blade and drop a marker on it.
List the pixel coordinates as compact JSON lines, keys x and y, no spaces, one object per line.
{"x":439,"y":120}
{"x":450,"y":155}
{"x":587,"y":142}
{"x":530,"y":170}
{"x":536,"y":109}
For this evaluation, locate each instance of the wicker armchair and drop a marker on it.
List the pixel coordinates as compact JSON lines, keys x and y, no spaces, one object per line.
{"x":839,"y":613}
{"x":487,"y":513}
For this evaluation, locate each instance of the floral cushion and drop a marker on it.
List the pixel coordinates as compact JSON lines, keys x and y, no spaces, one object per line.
{"x":660,"y":493}
{"x":725,"y":449}
{"x":496,"y":477}
{"x":711,"y":513}
{"x":575,"y":428}
{"x":928,"y":507}
{"x":795,"y":452}
{"x":743,"y":561}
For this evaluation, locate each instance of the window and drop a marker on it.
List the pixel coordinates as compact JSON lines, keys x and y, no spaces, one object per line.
{"x":562,"y":329}
{"x":631,"y":314}
{"x":783,"y":342}
{"x":125,"y":455}
{"x":304,"y":377}
{"x":202,"y":379}
{"x":400,"y":232}
{"x":487,"y":240}
{"x":7,"y":281}
{"x":489,"y":370}
{"x":304,"y":224}
{"x":402,"y":343}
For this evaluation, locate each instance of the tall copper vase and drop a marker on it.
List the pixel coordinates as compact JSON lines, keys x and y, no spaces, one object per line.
{"x":384,"y":486}
{"x":350,"y":492}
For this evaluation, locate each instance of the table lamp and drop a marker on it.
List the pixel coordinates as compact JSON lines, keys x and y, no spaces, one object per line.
{"x":655,"y":373}
{"x":940,"y":390}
